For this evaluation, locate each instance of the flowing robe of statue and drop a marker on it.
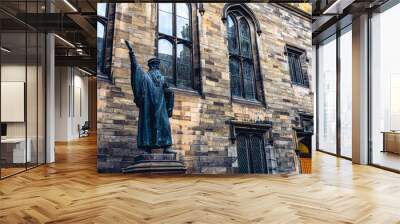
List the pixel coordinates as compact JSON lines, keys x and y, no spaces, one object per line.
{"x":155,"y":102}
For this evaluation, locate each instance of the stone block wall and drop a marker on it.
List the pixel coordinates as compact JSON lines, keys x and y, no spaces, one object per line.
{"x":199,"y":123}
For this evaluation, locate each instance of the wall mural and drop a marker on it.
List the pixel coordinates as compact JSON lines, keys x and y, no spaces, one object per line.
{"x":220,"y":95}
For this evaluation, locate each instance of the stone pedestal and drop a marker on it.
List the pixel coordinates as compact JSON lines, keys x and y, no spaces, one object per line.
{"x":156,"y":163}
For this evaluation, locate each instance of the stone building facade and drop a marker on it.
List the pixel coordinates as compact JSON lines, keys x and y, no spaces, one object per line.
{"x":207,"y":121}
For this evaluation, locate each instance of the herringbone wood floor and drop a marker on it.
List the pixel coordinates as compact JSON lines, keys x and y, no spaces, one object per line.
{"x":71,"y":191}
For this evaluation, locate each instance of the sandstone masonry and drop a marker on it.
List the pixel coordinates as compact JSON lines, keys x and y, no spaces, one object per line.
{"x":200,"y":128}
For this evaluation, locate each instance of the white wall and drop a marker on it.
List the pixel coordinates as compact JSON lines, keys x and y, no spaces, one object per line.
{"x":17,"y":73}
{"x":13,"y":73}
{"x":33,"y":125}
{"x":62,"y":81}
{"x":80,"y":110}
{"x":71,"y":102}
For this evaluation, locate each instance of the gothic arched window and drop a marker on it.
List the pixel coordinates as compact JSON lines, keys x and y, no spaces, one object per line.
{"x":176,"y":44}
{"x":243,"y":66}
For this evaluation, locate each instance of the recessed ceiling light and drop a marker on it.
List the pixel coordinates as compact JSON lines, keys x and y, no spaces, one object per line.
{"x":64,"y":40}
{"x":337,"y":7}
{"x":70,"y":5}
{"x":5,"y":50}
{"x":86,"y":72}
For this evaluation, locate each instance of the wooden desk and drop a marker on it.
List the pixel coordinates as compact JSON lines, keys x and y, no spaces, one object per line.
{"x":16,"y":147}
{"x":391,"y":142}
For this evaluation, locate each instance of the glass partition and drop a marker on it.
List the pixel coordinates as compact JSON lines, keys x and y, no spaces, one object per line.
{"x":13,"y":94}
{"x":385,"y":89}
{"x":327,"y":96}
{"x":22,"y":77}
{"x":346,"y":93}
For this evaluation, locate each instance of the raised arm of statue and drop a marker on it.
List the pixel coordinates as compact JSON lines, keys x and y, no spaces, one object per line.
{"x":131,"y":54}
{"x":136,"y":76}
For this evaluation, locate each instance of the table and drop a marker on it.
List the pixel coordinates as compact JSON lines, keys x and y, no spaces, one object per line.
{"x":16,"y":147}
{"x":391,"y":141}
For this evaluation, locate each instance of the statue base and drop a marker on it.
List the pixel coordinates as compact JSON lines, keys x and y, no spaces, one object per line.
{"x":156,"y":163}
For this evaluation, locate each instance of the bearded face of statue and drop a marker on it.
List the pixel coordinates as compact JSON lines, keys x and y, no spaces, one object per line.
{"x":154,"y":64}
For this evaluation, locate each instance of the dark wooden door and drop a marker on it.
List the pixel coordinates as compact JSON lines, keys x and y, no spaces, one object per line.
{"x":250,"y":152}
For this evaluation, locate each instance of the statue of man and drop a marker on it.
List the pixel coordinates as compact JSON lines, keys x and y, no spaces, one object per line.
{"x":155,"y":101}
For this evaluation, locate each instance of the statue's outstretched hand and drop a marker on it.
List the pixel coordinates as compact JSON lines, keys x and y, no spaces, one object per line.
{"x":129,"y":46}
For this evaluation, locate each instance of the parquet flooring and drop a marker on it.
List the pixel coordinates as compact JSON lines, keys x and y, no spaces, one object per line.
{"x":386,"y":159}
{"x":71,"y":191}
{"x":8,"y":171}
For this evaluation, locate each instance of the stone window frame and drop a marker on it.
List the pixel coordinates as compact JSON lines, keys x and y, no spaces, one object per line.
{"x":255,"y":32}
{"x":104,"y":72}
{"x":303,"y":60}
{"x":196,"y":87}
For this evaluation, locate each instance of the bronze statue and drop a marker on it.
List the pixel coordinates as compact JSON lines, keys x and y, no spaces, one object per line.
{"x":155,"y":101}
